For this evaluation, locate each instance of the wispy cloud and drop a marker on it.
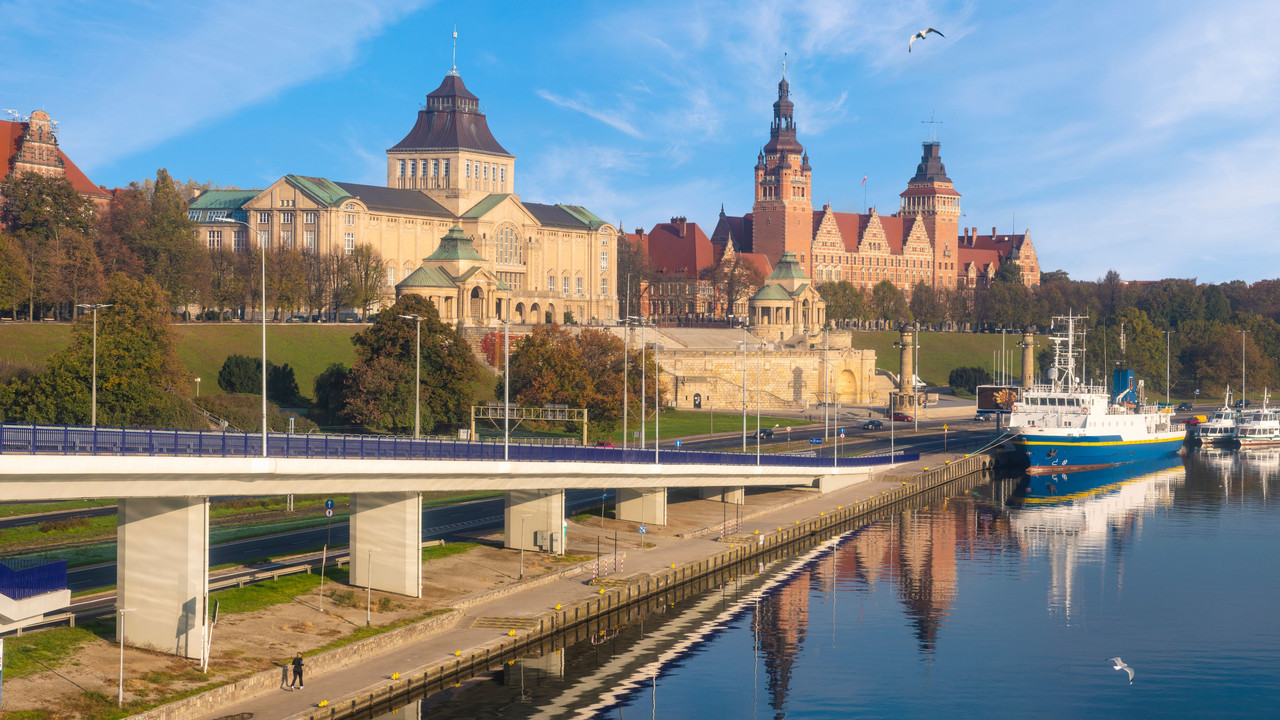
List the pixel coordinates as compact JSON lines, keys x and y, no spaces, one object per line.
{"x":590,"y":109}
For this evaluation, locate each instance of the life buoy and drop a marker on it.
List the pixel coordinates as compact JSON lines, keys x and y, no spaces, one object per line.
{"x":1085,"y":409}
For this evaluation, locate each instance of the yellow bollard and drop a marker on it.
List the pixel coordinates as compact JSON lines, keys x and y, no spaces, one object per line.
{"x":557,"y":606}
{"x":601,"y":591}
{"x":457,"y":653}
{"x":322,"y":703}
{"x":512,"y":633}
{"x":757,"y":532}
{"x":395,"y":676}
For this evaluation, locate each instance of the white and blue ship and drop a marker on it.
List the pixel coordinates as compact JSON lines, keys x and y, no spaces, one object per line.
{"x":1067,"y":423}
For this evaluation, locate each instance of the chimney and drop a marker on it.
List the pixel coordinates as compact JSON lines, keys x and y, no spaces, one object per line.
{"x":993,"y":233}
{"x":679,"y":221}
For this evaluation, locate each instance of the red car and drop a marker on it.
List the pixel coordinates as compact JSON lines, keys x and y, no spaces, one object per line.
{"x":902,"y":417}
{"x":604,"y":444}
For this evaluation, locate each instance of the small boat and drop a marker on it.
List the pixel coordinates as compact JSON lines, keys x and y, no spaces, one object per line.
{"x":1220,"y":428}
{"x":1069,"y":423}
{"x":1259,"y":428}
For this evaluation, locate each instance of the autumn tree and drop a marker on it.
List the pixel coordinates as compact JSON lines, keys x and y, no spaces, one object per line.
{"x":13,"y":274}
{"x":42,"y":214}
{"x":379,"y":390}
{"x":634,"y":275}
{"x":733,"y":280}
{"x":928,"y":305}
{"x":169,"y":250}
{"x":366,"y":278}
{"x":888,"y":302}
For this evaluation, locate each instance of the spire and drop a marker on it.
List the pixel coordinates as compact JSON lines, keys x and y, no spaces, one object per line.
{"x":782,"y":133}
{"x":930,"y":169}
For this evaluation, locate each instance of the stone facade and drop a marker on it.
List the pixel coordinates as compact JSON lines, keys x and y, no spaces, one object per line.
{"x":30,"y":144}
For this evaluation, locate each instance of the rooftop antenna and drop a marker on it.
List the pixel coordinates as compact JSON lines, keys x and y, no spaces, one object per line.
{"x":454,"y":71}
{"x":931,"y":123}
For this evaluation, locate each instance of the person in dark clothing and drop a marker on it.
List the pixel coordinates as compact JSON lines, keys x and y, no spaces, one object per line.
{"x":297,"y":671}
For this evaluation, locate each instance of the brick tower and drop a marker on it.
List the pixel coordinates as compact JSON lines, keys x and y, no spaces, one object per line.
{"x":783,"y":209}
{"x":931,"y":196}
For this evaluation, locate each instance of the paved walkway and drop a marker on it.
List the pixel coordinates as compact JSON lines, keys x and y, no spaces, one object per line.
{"x":536,"y":599}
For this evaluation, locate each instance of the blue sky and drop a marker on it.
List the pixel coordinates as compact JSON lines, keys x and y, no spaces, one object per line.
{"x":1135,"y":136}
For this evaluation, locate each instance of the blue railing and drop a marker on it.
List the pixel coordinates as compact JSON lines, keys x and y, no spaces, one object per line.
{"x":22,"y":578}
{"x":75,"y":440}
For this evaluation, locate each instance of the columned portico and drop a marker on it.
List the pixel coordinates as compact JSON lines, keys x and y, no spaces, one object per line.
{"x":386,"y":541}
{"x":647,"y":506}
{"x":162,"y":572}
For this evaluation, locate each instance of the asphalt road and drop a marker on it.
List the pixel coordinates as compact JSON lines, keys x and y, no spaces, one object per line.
{"x":438,"y":522}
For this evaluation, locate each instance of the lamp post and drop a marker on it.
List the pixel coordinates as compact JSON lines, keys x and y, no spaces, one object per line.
{"x":1167,"y":334}
{"x":506,"y":382}
{"x":368,"y":589}
{"x":417,"y":385}
{"x":522,"y":519}
{"x":1243,"y":396}
{"x":759,"y":360}
{"x":197,"y":387}
{"x":657,"y":406}
{"x":262,"y":247}
{"x":93,"y":410}
{"x":120,"y":614}
{"x":743,"y":322}
{"x":626,"y":379}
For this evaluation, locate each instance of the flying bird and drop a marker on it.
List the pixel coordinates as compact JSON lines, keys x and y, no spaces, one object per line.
{"x":1119,"y":665}
{"x":920,"y":36}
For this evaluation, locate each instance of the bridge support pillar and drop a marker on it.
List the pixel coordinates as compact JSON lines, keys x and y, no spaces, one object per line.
{"x":534,"y":520}
{"x":386,"y":541}
{"x":731,"y":495}
{"x":647,"y":506}
{"x":162,"y":572}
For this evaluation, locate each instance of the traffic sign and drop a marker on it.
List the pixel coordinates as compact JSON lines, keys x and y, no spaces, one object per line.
{"x":677,"y":443}
{"x":328,"y":512}
{"x":788,"y":428}
{"x":842,"y":434}
{"x":328,"y":504}
{"x":815,"y":441}
{"x":643,"y":529}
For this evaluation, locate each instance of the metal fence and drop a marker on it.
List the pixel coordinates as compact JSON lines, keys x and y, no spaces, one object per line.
{"x":22,"y":578}
{"x":74,"y":440}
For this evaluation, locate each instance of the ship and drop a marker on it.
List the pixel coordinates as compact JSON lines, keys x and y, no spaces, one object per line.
{"x":1068,"y":422}
{"x":1220,"y":428}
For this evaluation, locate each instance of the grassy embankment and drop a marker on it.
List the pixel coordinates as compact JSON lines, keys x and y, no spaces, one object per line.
{"x":942,"y":352}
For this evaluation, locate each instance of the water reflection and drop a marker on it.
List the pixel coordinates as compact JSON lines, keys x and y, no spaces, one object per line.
{"x":954,"y":573}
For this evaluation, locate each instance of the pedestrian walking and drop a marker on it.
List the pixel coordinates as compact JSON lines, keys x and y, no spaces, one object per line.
{"x":297,"y":671}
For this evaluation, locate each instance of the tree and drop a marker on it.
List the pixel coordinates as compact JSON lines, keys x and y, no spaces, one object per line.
{"x":13,"y":274}
{"x":169,"y":250}
{"x":968,"y":378}
{"x":240,"y":374}
{"x":634,"y":274}
{"x":888,"y":303}
{"x":330,"y":387}
{"x":121,"y":231}
{"x":733,"y":279}
{"x":928,"y":305}
{"x":845,"y":303}
{"x":384,"y":369}
{"x":367,"y":278}
{"x":40,"y":212}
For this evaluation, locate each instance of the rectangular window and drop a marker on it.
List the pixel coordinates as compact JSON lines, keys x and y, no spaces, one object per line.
{"x":215,"y":239}
{"x":502,"y":170}
{"x":551,"y":283}
{"x":193,"y":215}
{"x":579,"y":286}
{"x":400,"y":166}
{"x":446,"y":168}
{"x":286,"y":239}
{"x":413,"y":168}
{"x":350,"y":220}
{"x":468,"y":169}
{"x":310,"y":218}
{"x":350,"y":242}
{"x":264,"y":218}
{"x":486,"y":171}
{"x":391,"y":276}
{"x":264,"y":238}
{"x":604,"y":259}
{"x":309,"y":240}
{"x":564,"y":284}
{"x":238,"y":240}
{"x":435,"y":168}
{"x":286,"y":218}
{"x":604,"y":286}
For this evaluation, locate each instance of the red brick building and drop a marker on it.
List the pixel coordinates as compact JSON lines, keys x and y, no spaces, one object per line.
{"x":920,"y":243}
{"x":31,"y":145}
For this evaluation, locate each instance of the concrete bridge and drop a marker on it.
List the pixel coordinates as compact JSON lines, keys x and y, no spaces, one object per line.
{"x":163,"y":480}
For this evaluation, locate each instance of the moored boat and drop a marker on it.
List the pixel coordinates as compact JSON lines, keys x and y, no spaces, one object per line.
{"x":1069,"y":423}
{"x":1220,"y":428}
{"x":1259,"y":428}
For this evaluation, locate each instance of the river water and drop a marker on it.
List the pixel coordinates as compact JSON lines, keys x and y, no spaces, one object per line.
{"x":1003,"y":601}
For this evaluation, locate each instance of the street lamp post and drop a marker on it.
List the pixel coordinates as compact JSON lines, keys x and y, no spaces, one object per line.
{"x":93,"y":410}
{"x":522,"y":519}
{"x":626,"y":379}
{"x":417,"y":385}
{"x":1243,"y":396}
{"x":368,"y":589}
{"x":759,"y":360}
{"x":506,"y":382}
{"x":744,"y":382}
{"x":197,"y":387}
{"x":120,"y":614}
{"x":657,"y":406}
{"x":1167,"y":335}
{"x":262,"y":247}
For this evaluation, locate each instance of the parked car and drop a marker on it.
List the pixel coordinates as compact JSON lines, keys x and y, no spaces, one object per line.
{"x":348,"y":317}
{"x":872,"y":425}
{"x":604,"y":444}
{"x":902,"y":417}
{"x":982,"y":417}
{"x":765,"y":434}
{"x":297,"y":318}
{"x":1243,"y":404}
{"x":1184,"y":407}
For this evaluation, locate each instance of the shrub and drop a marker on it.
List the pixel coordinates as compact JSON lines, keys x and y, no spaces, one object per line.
{"x":968,"y":378}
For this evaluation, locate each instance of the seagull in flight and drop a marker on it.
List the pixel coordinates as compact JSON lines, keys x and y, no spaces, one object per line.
{"x":1119,"y":665}
{"x":920,"y":36}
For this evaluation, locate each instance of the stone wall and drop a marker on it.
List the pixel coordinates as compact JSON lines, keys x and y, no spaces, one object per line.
{"x":788,"y":379}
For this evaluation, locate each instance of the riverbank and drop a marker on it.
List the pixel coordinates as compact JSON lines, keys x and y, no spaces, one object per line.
{"x":496,"y":628}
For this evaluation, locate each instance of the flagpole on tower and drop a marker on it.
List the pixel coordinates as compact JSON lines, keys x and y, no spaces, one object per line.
{"x":454,"y":71}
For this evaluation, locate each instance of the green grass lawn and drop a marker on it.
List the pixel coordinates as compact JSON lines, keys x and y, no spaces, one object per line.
{"x":941,"y":352}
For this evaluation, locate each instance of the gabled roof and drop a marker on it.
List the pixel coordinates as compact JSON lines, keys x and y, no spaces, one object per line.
{"x":556,"y":215}
{"x":394,"y":199}
{"x":486,"y":204}
{"x":584,"y":215}
{"x":427,"y":277}
{"x":455,"y":246}
{"x":736,"y":229}
{"x":223,"y":199}
{"x":759,"y":260}
{"x":11,"y":136}
{"x":676,"y":256}
{"x":788,"y":268}
{"x":322,"y":190}
{"x":771,"y":292}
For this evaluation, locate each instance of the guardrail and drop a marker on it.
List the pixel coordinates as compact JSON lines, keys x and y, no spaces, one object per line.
{"x":21,"y":578}
{"x":76,"y":440}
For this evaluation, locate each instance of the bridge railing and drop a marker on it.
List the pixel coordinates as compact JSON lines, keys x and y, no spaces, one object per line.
{"x":21,"y":578}
{"x":76,"y":440}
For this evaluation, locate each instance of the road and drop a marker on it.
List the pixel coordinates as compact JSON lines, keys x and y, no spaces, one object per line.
{"x":438,"y":522}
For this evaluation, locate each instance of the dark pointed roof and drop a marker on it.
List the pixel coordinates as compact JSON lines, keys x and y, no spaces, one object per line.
{"x":931,"y":169}
{"x":451,"y":120}
{"x":782,"y":133}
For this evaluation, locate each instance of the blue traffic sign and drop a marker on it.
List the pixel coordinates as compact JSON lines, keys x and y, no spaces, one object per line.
{"x":815,"y":441}
{"x":643,"y":529}
{"x":677,"y":443}
{"x":328,"y":504}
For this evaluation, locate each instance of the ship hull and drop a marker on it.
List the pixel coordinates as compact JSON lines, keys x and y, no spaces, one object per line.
{"x":1051,"y":453}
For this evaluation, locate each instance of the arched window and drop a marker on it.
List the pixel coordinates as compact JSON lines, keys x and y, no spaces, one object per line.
{"x":510,"y":248}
